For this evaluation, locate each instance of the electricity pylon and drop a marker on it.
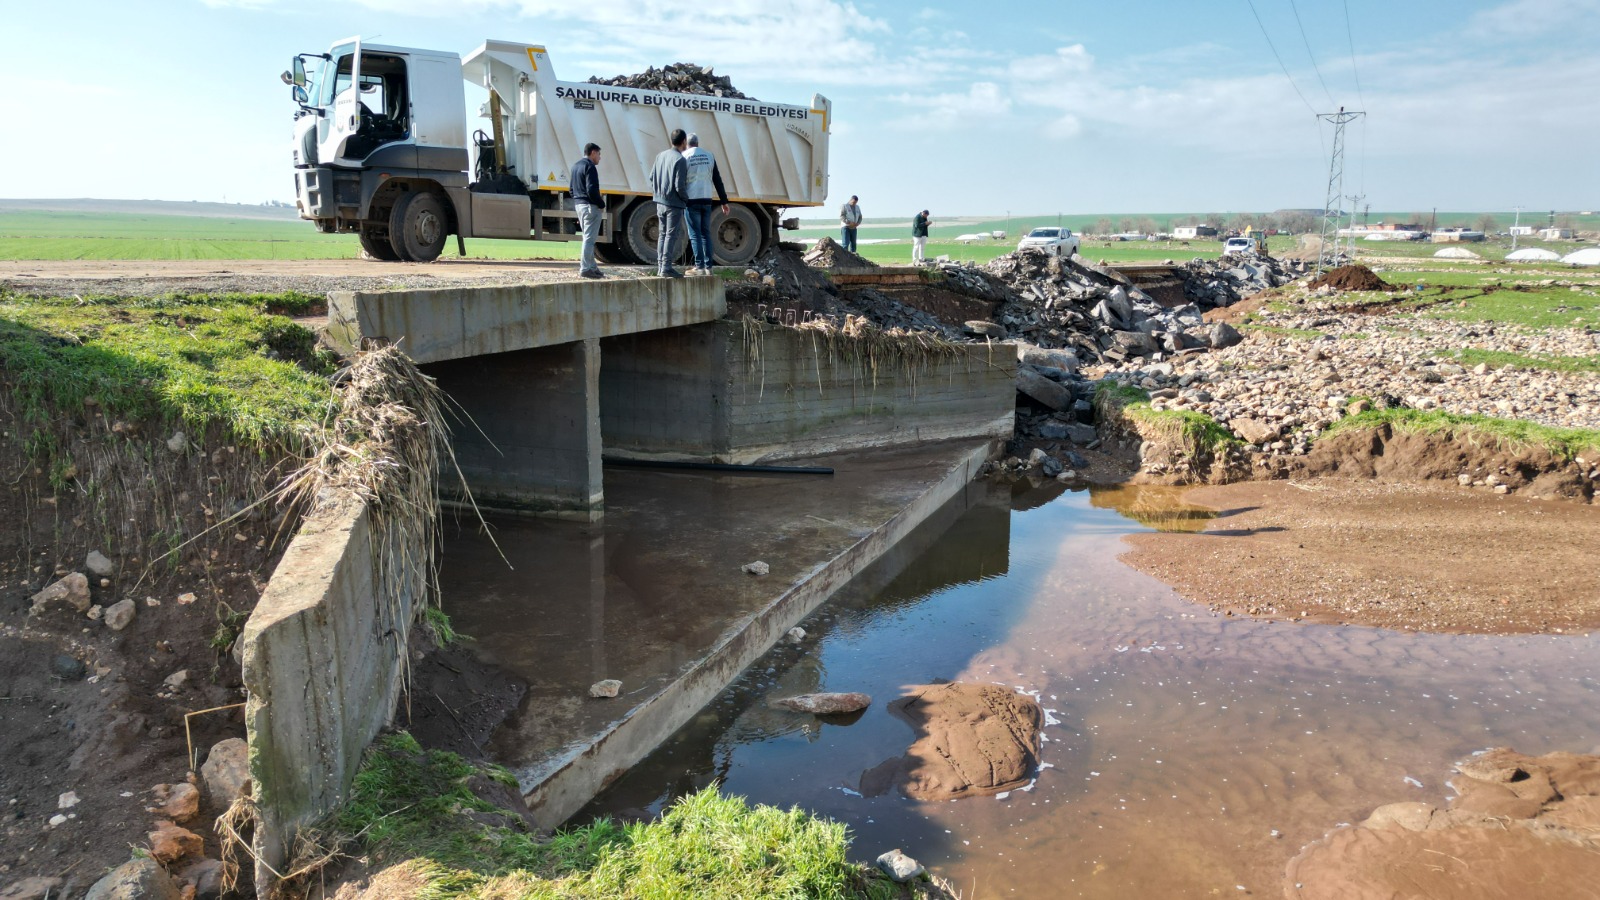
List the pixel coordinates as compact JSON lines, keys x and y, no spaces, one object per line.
{"x":1331,"y":207}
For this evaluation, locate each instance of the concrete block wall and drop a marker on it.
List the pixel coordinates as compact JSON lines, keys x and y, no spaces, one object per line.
{"x":532,"y":444}
{"x":322,"y":660}
{"x":720,"y":392}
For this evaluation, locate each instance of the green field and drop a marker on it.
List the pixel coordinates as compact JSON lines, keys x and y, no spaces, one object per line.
{"x":47,"y":235}
{"x":32,"y":234}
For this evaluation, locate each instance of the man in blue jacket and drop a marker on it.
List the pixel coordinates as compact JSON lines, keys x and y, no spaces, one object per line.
{"x":669,"y":180}
{"x":703,"y":179}
{"x":586,"y":199}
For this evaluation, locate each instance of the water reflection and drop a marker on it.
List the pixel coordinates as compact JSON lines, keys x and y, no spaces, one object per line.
{"x":1191,"y":755}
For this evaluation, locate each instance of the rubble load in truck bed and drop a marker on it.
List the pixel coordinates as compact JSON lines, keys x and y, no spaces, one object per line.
{"x":680,"y":78}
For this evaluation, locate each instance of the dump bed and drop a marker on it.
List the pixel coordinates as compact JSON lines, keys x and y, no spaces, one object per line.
{"x":769,"y":153}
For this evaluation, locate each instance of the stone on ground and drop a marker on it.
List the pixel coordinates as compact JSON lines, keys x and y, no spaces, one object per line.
{"x":179,"y":802}
{"x":99,"y":564}
{"x":72,"y":590}
{"x":603,"y":690}
{"x":170,"y":842}
{"x":136,"y":879}
{"x":119,"y":615}
{"x":226,"y":772}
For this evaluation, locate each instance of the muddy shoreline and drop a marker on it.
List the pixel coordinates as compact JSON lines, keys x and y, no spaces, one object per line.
{"x":1405,"y":556}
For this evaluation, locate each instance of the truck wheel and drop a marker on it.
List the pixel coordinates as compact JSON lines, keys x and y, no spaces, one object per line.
{"x":736,"y":237}
{"x":637,"y":233}
{"x":377,"y":245}
{"x":418,"y":227}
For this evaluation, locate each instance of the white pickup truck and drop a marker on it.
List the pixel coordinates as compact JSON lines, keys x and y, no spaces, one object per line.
{"x":381,"y":150}
{"x":1050,"y":239}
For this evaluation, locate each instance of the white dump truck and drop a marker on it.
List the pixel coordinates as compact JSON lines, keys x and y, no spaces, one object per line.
{"x":381,"y":150}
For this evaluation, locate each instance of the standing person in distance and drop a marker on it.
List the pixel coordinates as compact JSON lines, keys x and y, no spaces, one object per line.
{"x":590,"y":205}
{"x":849,"y":221}
{"x":703,"y":179}
{"x":919,"y":237}
{"x":669,"y":180}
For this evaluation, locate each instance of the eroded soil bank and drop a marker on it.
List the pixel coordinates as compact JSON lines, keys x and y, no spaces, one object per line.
{"x":1412,"y":556}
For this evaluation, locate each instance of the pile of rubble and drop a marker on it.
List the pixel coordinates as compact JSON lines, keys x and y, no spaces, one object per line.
{"x":830,"y":254}
{"x":1222,"y":282}
{"x":681,"y":78}
{"x":1097,"y":312}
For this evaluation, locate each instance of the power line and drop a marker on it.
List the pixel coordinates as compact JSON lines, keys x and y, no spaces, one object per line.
{"x":1280,"y":58}
{"x":1309,"y":54}
{"x":1351,"y":35}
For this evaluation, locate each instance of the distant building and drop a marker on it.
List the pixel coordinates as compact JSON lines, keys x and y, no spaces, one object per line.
{"x":1456,"y":235}
{"x":1189,"y":232}
{"x":1521,"y":231}
{"x":1556,"y":234}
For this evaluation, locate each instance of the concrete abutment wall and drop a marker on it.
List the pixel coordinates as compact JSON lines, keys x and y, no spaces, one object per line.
{"x":732,"y":392}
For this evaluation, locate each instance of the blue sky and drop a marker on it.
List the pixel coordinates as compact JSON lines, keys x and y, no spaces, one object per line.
{"x":1144,"y":106}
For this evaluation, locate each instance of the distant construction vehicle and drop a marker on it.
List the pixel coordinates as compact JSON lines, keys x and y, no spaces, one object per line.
{"x":381,"y":151}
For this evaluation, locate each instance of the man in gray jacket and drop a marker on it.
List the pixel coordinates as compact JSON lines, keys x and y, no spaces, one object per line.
{"x":669,"y":179}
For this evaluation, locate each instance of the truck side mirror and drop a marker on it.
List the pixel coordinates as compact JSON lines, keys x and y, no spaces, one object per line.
{"x":300,"y":95}
{"x":298,"y":69}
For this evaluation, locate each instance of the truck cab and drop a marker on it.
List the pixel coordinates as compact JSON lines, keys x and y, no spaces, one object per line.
{"x":379,"y":131}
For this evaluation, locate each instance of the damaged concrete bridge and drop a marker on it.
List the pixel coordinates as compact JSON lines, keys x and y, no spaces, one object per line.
{"x":551,"y":379}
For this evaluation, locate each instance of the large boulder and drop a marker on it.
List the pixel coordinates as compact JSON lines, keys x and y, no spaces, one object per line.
{"x":226,"y":772}
{"x":1042,"y":389}
{"x":1222,"y":335}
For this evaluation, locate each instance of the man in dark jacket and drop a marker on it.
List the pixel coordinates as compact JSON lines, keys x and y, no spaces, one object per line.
{"x":669,"y":180}
{"x":919,"y":237}
{"x":586,"y":199}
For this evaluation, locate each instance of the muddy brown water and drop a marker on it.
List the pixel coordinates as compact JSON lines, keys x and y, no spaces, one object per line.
{"x":1186,"y":755}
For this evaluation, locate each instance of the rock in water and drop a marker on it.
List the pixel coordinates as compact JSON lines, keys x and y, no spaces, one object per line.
{"x":136,"y":879}
{"x":973,"y":740}
{"x":602,"y":690}
{"x":757,"y":568}
{"x":827,"y":704}
{"x":899,"y":866}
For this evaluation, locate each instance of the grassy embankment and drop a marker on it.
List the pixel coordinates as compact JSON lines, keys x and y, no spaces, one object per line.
{"x":231,"y":365}
{"x":418,"y":811}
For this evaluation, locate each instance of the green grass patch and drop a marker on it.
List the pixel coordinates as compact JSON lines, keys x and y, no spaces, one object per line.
{"x":225,"y":362}
{"x":418,"y":808}
{"x":1514,"y":433}
{"x":1198,"y":433}
{"x":1496,"y":359}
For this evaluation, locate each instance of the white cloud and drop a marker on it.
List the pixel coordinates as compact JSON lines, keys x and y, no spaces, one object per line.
{"x":1531,"y":18}
{"x":984,"y":100}
{"x":810,"y":41}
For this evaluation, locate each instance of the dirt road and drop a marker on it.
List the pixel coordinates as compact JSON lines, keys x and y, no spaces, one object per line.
{"x":122,"y":277}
